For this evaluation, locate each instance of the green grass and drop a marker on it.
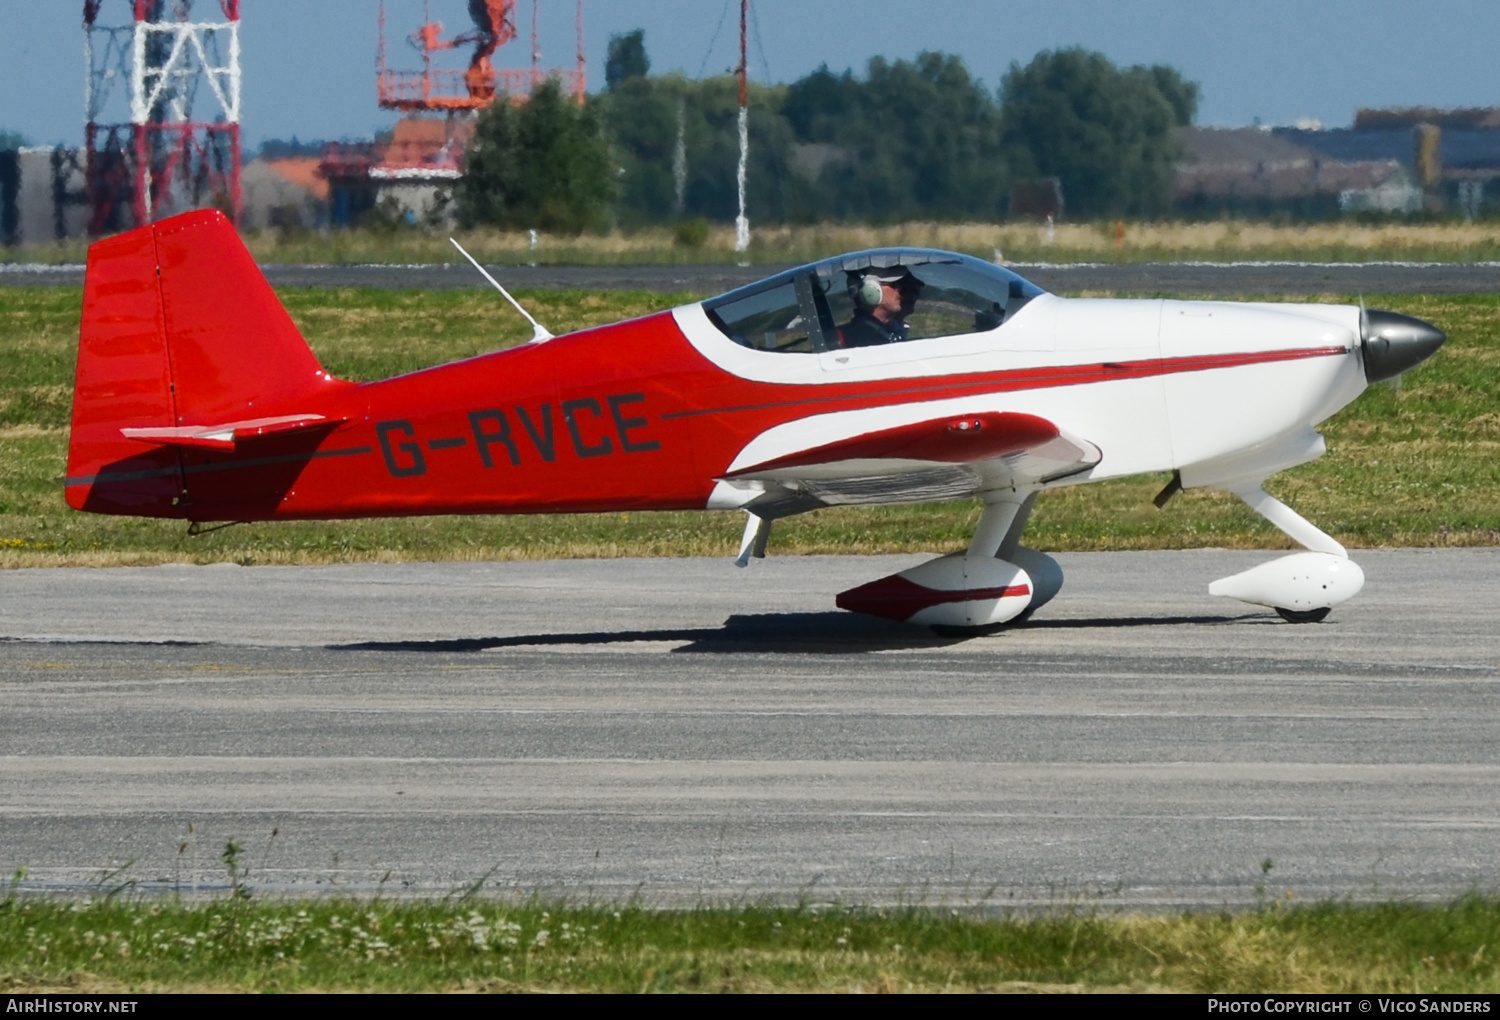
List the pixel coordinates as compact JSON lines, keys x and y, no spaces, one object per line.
{"x":1414,"y":467}
{"x":487,"y":945}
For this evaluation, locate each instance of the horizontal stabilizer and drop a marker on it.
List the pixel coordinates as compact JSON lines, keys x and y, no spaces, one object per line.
{"x":230,"y":434}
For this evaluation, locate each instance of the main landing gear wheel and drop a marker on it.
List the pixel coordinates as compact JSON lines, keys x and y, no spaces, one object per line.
{"x":1303,"y":615}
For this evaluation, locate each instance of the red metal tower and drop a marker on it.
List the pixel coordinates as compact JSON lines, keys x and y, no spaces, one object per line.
{"x":166,"y":157}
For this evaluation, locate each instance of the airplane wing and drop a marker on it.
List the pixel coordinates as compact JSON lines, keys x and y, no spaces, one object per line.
{"x":230,"y":434}
{"x":950,"y":457}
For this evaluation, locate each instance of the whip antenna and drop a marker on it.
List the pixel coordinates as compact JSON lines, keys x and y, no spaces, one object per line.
{"x":538,"y":331}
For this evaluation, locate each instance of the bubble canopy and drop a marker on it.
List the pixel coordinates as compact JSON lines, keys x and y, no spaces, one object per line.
{"x":806,"y":310}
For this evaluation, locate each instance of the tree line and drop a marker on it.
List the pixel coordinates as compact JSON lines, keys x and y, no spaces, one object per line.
{"x":920,"y":139}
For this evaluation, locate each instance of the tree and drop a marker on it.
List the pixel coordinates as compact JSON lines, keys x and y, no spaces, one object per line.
{"x":1181,"y":93}
{"x":626,"y":58}
{"x":1104,"y":132}
{"x":713,"y":152}
{"x":641,"y":117}
{"x":819,"y":105}
{"x":544,"y":165}
{"x":916,"y":138}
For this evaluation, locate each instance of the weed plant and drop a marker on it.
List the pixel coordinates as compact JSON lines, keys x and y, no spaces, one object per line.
{"x":1410,"y":466}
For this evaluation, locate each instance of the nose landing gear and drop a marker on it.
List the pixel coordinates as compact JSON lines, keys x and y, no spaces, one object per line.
{"x":1303,"y":587}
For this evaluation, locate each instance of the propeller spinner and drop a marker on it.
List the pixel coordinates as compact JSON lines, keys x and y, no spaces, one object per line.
{"x":1393,"y":343}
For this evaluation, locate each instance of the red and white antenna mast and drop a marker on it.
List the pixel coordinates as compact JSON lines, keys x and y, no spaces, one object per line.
{"x":170,"y":154}
{"x":741,"y":222}
{"x":536,"y":47}
{"x":579,"y":78}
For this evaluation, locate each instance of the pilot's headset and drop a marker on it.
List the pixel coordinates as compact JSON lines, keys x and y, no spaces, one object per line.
{"x":865,"y":289}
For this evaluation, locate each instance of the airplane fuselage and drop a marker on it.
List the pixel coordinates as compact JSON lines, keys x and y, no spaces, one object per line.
{"x":649,"y":414}
{"x":197,"y":398}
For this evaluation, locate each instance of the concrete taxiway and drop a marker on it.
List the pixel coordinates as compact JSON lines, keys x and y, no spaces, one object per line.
{"x":682,"y":730}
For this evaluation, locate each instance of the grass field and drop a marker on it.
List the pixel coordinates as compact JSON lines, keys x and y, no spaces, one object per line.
{"x":1414,"y":467}
{"x":1217,"y":240}
{"x":484,"y":945}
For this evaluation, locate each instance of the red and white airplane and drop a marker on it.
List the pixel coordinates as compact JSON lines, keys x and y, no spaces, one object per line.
{"x":198,"y":399}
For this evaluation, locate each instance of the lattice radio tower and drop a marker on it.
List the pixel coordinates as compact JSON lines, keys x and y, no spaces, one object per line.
{"x":168,"y":156}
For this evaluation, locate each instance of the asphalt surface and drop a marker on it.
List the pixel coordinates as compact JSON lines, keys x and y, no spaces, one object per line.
{"x":1174,"y":278}
{"x":684,"y":731}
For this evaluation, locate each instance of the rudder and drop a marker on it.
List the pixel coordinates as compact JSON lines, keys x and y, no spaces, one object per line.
{"x":180,"y":329}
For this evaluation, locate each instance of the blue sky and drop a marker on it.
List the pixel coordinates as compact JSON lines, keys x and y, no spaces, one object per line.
{"x":309,"y":64}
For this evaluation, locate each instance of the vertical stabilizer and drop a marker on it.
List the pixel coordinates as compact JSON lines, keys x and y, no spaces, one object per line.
{"x":179,"y":329}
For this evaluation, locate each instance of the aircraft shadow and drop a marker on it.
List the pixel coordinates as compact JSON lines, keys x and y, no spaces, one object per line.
{"x":834,"y":633}
{"x":1146,"y":621}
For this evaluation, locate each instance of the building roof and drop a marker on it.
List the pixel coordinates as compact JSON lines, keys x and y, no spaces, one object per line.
{"x":1255,"y":163}
{"x":1473,"y":118}
{"x":1461,"y":147}
{"x":1237,"y":147}
{"x":302,"y":171}
{"x":427,"y":140}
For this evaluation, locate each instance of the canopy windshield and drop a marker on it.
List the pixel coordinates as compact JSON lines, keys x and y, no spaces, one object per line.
{"x":810,"y":309}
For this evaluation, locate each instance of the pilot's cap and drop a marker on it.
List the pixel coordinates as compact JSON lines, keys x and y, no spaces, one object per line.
{"x":895,"y":274}
{"x":865,"y":284}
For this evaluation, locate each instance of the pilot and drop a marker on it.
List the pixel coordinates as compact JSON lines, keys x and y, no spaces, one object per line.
{"x":883,"y":298}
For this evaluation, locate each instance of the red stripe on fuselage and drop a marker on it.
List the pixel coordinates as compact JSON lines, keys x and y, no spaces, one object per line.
{"x":903,"y":392}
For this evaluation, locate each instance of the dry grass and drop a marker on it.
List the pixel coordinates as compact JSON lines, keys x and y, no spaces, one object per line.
{"x":1223,"y":240}
{"x":1239,"y":240}
{"x":1168,"y":240}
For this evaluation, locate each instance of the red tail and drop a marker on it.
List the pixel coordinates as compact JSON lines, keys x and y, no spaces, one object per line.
{"x":181,"y":335}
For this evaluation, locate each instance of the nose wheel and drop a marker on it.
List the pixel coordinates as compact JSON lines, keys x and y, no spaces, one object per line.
{"x":1314,"y":581}
{"x":1303,"y":615}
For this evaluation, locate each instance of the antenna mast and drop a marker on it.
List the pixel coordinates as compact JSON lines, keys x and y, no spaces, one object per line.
{"x":741,"y":223}
{"x":582,"y":95}
{"x":536,"y":48}
{"x":150,"y":152}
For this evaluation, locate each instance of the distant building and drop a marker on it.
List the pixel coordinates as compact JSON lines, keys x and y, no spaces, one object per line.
{"x":1454,"y":155}
{"x":1482,"y":118}
{"x":284,"y":193}
{"x":1394,"y":195}
{"x":42,"y":197}
{"x":1254,"y":172}
{"x":409,"y":174}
